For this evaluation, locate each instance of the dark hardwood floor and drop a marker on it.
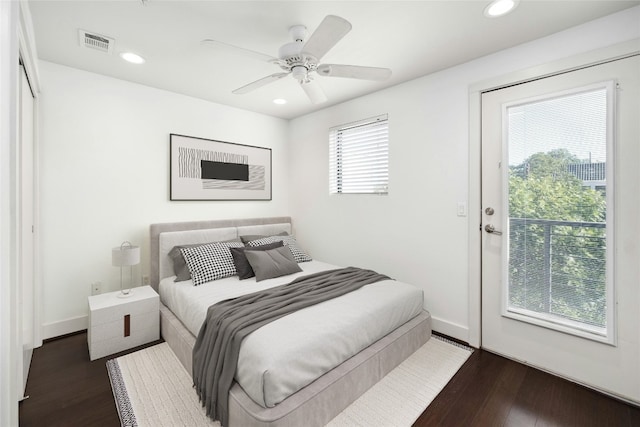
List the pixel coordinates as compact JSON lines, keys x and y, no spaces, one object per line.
{"x":66,"y":389}
{"x":490,"y":390}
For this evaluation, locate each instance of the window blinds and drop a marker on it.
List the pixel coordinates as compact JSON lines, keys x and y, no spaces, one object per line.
{"x":558,"y":231}
{"x":359,"y":157}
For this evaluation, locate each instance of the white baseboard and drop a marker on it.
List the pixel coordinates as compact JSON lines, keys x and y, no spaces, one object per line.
{"x":450,"y":329}
{"x":26,"y":364}
{"x":63,"y":327}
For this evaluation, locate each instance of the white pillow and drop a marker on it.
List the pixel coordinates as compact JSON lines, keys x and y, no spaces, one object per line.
{"x":298,"y":254}
{"x":211,"y":261}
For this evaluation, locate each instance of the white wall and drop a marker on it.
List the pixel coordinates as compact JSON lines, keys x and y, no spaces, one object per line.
{"x":414,"y":233}
{"x":105,"y":177}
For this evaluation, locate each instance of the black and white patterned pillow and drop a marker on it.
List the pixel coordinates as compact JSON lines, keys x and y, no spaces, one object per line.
{"x":211,"y":261}
{"x":298,"y":254}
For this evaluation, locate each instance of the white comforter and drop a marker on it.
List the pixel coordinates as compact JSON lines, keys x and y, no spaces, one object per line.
{"x":282,"y":357}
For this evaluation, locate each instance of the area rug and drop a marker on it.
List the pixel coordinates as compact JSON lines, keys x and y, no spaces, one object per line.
{"x":152,"y":388}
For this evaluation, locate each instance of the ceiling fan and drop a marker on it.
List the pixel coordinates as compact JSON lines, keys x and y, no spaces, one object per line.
{"x":301,"y":58}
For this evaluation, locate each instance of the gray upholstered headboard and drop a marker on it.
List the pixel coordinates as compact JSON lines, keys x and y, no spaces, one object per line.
{"x":156,"y":229}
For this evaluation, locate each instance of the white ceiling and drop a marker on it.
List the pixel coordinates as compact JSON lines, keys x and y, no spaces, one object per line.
{"x":413,"y":38}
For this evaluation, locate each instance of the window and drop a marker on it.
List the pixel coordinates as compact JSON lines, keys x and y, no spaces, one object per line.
{"x":560,"y":203}
{"x":359,"y":157}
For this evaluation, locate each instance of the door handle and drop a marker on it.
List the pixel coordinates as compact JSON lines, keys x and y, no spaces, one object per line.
{"x":491,"y":229}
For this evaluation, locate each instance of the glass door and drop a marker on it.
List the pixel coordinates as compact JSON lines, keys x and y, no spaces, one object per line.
{"x":558,"y":153}
{"x":561,"y":225}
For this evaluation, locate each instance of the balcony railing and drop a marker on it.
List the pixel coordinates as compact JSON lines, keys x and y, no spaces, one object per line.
{"x":558,"y":267}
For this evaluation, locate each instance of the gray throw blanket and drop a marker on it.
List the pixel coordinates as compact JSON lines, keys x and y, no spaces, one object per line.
{"x":216,"y":351}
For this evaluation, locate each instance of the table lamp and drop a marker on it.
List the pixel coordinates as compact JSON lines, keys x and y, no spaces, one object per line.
{"x":125,"y":255}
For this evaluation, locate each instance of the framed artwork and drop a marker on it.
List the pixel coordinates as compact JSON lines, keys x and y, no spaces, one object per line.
{"x":205,"y":169}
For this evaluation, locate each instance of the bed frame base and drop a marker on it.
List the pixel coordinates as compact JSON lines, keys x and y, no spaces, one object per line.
{"x":319,"y":402}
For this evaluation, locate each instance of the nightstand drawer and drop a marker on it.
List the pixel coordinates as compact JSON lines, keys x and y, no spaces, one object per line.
{"x":117,"y":312}
{"x":115,"y":329}
{"x":102,"y":348}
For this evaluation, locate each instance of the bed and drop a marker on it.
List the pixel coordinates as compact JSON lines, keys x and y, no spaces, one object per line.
{"x":319,"y":399}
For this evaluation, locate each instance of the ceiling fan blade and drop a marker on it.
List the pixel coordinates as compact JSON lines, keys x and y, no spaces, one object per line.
{"x":236,"y":49}
{"x":259,"y":83}
{"x":354,"y":72}
{"x":314,"y":92}
{"x":330,"y":31}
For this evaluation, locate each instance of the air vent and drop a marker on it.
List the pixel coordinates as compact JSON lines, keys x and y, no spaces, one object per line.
{"x":96,"y":41}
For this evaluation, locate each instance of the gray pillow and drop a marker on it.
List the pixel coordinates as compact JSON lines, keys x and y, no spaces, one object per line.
{"x":240,"y":259}
{"x":272,"y":263}
{"x":249,"y":237}
{"x":180,"y":268}
{"x":289,"y":241}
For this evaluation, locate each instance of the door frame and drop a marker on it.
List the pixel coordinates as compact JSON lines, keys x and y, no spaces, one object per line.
{"x":595,"y":57}
{"x":27,"y":54}
{"x":16,"y":39}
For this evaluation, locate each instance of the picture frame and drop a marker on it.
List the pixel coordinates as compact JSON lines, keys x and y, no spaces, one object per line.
{"x":207,"y":169}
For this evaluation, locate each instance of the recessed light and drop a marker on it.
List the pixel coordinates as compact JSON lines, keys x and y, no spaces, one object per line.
{"x":132,"y":57}
{"x":500,"y":7}
{"x":279,"y":101}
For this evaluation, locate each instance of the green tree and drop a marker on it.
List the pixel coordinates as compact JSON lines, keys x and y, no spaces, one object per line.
{"x":552,"y":164}
{"x":556,"y":268}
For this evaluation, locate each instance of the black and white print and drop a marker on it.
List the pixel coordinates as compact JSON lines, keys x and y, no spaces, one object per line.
{"x":203,"y":169}
{"x":189,"y":160}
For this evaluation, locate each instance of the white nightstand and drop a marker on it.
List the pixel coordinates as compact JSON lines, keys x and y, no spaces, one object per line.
{"x":118,"y":323}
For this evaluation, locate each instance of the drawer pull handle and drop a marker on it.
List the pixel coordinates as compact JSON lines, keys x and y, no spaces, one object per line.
{"x":127,"y":325}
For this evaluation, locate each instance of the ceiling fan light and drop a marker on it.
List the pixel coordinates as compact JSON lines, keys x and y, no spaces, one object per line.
{"x":499,"y":8}
{"x":299,"y":73}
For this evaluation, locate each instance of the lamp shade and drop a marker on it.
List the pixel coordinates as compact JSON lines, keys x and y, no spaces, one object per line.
{"x":125,"y":255}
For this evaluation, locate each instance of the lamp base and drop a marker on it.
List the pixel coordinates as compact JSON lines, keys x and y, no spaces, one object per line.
{"x":121,"y":294}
